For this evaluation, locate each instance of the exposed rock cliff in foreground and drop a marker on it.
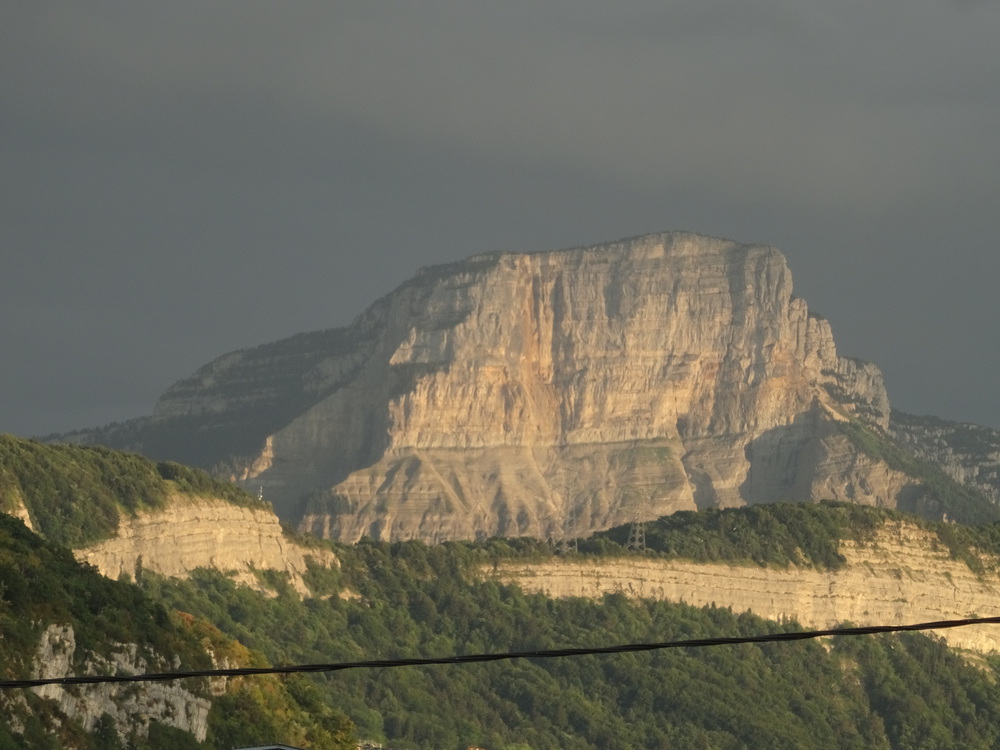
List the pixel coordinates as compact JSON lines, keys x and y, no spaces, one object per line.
{"x":59,"y":618}
{"x":543,"y":394}
{"x":121,"y":512}
{"x":132,"y":707}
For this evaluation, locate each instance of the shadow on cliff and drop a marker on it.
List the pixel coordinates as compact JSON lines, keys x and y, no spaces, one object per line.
{"x":783,"y":460}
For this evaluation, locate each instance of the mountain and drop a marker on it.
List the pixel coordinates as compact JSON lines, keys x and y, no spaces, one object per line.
{"x":968,"y":453}
{"x":77,"y":525}
{"x":552,"y":394}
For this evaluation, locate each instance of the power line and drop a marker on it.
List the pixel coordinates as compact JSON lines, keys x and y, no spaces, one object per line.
{"x":799,"y":635}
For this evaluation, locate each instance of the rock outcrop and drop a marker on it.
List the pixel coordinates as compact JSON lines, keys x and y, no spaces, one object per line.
{"x":905,"y":576}
{"x":194,"y":533}
{"x":968,"y":453}
{"x":132,"y":706}
{"x":521,"y":394}
{"x":20,"y":511}
{"x":542,"y":394}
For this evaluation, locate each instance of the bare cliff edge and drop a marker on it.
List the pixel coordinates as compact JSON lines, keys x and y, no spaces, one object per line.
{"x":123,"y":514}
{"x":903,"y":576}
{"x":203,"y":532}
{"x":542,"y":394}
{"x":190,"y":533}
{"x":132,"y":708}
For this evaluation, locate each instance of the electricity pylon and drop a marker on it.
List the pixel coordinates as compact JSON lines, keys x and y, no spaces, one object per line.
{"x":636,"y":535}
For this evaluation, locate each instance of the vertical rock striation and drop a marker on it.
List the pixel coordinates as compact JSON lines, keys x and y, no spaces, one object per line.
{"x":574,"y":390}
{"x":542,"y":394}
{"x":132,"y":707}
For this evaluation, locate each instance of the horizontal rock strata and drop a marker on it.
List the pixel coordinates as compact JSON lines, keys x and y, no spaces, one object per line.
{"x":194,"y":533}
{"x":904,"y":577}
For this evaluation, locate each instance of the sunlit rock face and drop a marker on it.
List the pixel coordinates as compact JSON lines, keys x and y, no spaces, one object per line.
{"x":190,"y":533}
{"x":541,"y":394}
{"x":902,"y":576}
{"x":574,"y":390}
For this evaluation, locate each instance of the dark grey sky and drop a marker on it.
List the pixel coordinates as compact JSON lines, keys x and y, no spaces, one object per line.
{"x":178,"y":180}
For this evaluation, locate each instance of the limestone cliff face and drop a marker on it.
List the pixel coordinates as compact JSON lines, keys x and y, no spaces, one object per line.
{"x":133,"y":707}
{"x":540,"y":394}
{"x":20,"y":511}
{"x":903,"y":577}
{"x":192,"y":533}
{"x":518,"y":394}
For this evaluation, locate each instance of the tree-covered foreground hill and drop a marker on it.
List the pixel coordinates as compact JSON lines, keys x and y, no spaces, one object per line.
{"x":75,"y":495}
{"x":106,"y":626}
{"x":411,"y":600}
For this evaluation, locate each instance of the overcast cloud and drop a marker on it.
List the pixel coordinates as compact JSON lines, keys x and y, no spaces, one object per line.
{"x":180,"y":180}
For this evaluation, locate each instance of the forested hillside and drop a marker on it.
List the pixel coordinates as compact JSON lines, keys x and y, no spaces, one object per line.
{"x":791,"y":534}
{"x":74,"y":495}
{"x":55,"y":612}
{"x":411,"y":600}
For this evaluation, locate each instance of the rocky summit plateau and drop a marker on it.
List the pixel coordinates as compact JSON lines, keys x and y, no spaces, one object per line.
{"x":547,"y":394}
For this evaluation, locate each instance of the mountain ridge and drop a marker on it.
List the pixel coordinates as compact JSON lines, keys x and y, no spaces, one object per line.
{"x":543,"y":393}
